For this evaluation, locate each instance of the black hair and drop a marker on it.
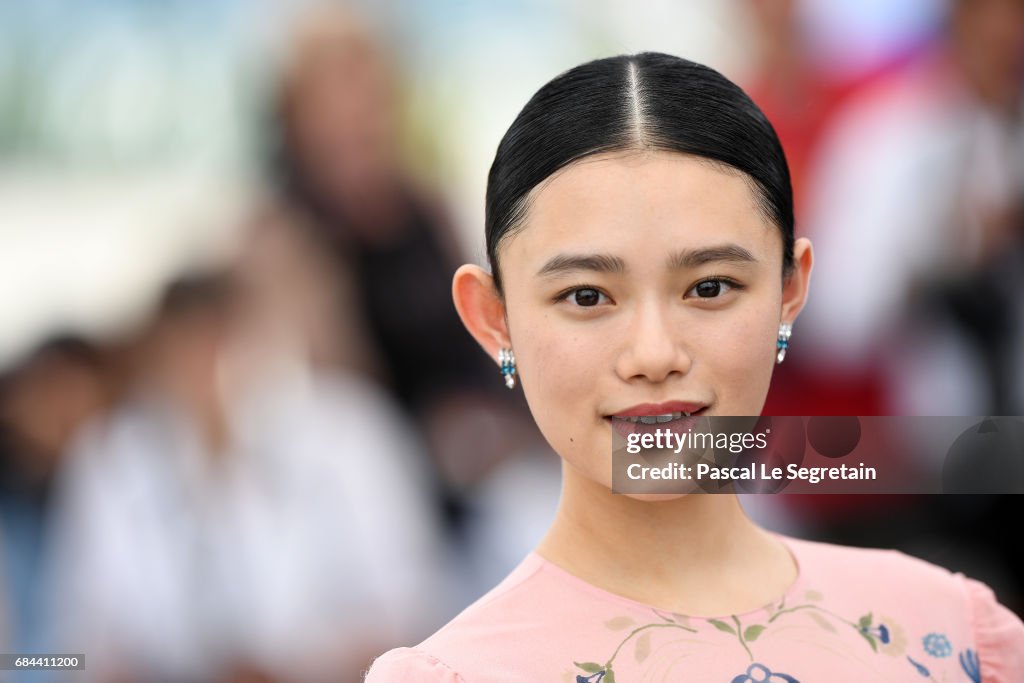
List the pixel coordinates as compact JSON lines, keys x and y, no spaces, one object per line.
{"x":648,"y":101}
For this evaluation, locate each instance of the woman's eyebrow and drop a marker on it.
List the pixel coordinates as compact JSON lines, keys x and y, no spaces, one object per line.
{"x":691,"y":258}
{"x":567,"y":263}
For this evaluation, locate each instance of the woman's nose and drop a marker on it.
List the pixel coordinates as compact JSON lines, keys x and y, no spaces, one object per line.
{"x":652,"y":350}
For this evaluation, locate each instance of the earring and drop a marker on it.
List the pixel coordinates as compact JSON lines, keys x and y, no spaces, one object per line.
{"x":785,"y":331}
{"x":508,"y":367}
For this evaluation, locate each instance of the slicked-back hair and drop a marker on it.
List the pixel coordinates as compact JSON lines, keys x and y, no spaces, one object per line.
{"x":649,"y":101}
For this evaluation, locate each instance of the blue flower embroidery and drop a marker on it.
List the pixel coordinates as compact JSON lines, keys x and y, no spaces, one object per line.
{"x":759,"y":673}
{"x":593,"y":678}
{"x":871,"y":633}
{"x":969,"y":663}
{"x":881,"y":632}
{"x":921,"y":668}
{"x":937,"y":645}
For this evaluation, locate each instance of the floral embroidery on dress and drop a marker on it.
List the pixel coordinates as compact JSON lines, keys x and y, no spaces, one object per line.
{"x":937,"y":645}
{"x":593,"y":678}
{"x":969,"y":663}
{"x":605,"y":673}
{"x":895,"y":642}
{"x":883,"y":636}
{"x":764,"y":675}
{"x":921,"y":668}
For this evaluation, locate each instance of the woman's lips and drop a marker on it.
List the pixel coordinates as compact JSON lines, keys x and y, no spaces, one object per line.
{"x":624,"y":426}
{"x":647,"y":409}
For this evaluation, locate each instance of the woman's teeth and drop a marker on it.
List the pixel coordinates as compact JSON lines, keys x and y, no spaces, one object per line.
{"x":655,"y":419}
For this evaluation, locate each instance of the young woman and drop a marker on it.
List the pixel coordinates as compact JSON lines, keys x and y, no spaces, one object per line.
{"x":643,"y":262}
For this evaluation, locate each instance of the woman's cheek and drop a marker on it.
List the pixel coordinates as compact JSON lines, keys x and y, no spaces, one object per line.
{"x":542,"y":364}
{"x":740,"y":362}
{"x":558,"y":389}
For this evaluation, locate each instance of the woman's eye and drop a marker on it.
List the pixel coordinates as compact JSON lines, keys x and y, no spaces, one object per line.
{"x":585,"y":297}
{"x":711,"y":288}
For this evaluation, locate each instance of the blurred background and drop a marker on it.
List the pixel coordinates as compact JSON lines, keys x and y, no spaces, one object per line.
{"x":227,"y":232}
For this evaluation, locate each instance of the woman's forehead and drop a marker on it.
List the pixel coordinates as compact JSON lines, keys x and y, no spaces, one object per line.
{"x":639,"y":202}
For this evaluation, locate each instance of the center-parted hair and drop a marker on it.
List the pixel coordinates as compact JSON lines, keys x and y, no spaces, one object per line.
{"x":649,"y":101}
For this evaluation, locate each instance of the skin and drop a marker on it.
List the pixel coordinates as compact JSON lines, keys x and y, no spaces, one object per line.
{"x":649,"y":337}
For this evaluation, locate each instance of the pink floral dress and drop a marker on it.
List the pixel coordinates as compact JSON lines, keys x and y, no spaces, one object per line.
{"x":852,"y":614}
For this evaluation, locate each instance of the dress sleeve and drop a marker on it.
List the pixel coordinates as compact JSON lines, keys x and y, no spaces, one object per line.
{"x":409,"y":664}
{"x":999,"y":634}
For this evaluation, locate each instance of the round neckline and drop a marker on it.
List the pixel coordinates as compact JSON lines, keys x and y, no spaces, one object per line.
{"x":794,"y":587}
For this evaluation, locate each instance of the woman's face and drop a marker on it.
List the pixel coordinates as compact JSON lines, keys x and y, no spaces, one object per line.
{"x":641,"y":278}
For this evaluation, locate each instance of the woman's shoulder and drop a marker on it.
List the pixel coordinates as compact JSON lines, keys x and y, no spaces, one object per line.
{"x":998,"y":632}
{"x":873,"y":566}
{"x":410,"y":664}
{"x":882,"y":576}
{"x":494,"y":628}
{"x":940,"y":598}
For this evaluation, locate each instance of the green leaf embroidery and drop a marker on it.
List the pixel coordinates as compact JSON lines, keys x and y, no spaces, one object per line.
{"x":643,"y":647}
{"x":865,"y":621}
{"x":752,"y":632}
{"x":619,"y":623}
{"x":821,"y":621}
{"x":589,"y":667}
{"x":871,"y":641}
{"x":721,"y":626}
{"x":609,"y":676}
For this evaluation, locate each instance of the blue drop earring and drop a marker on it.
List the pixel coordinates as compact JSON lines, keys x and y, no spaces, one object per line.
{"x":785,"y":331}
{"x":508,"y":367}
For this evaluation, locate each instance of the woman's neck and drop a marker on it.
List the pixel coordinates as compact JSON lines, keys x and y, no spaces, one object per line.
{"x":698,"y":554}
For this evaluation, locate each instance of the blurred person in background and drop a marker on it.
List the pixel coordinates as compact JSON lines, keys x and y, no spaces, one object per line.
{"x":239,"y":517}
{"x":44,"y":400}
{"x":915,"y":200}
{"x":298,"y":300}
{"x":917,"y":196}
{"x":339,"y":158}
{"x":802,"y":93}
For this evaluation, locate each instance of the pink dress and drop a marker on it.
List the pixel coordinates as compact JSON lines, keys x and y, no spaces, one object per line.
{"x":852,"y":614}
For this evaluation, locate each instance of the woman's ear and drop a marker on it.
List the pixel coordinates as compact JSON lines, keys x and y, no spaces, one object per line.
{"x":796,"y":286}
{"x":481,"y":308}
